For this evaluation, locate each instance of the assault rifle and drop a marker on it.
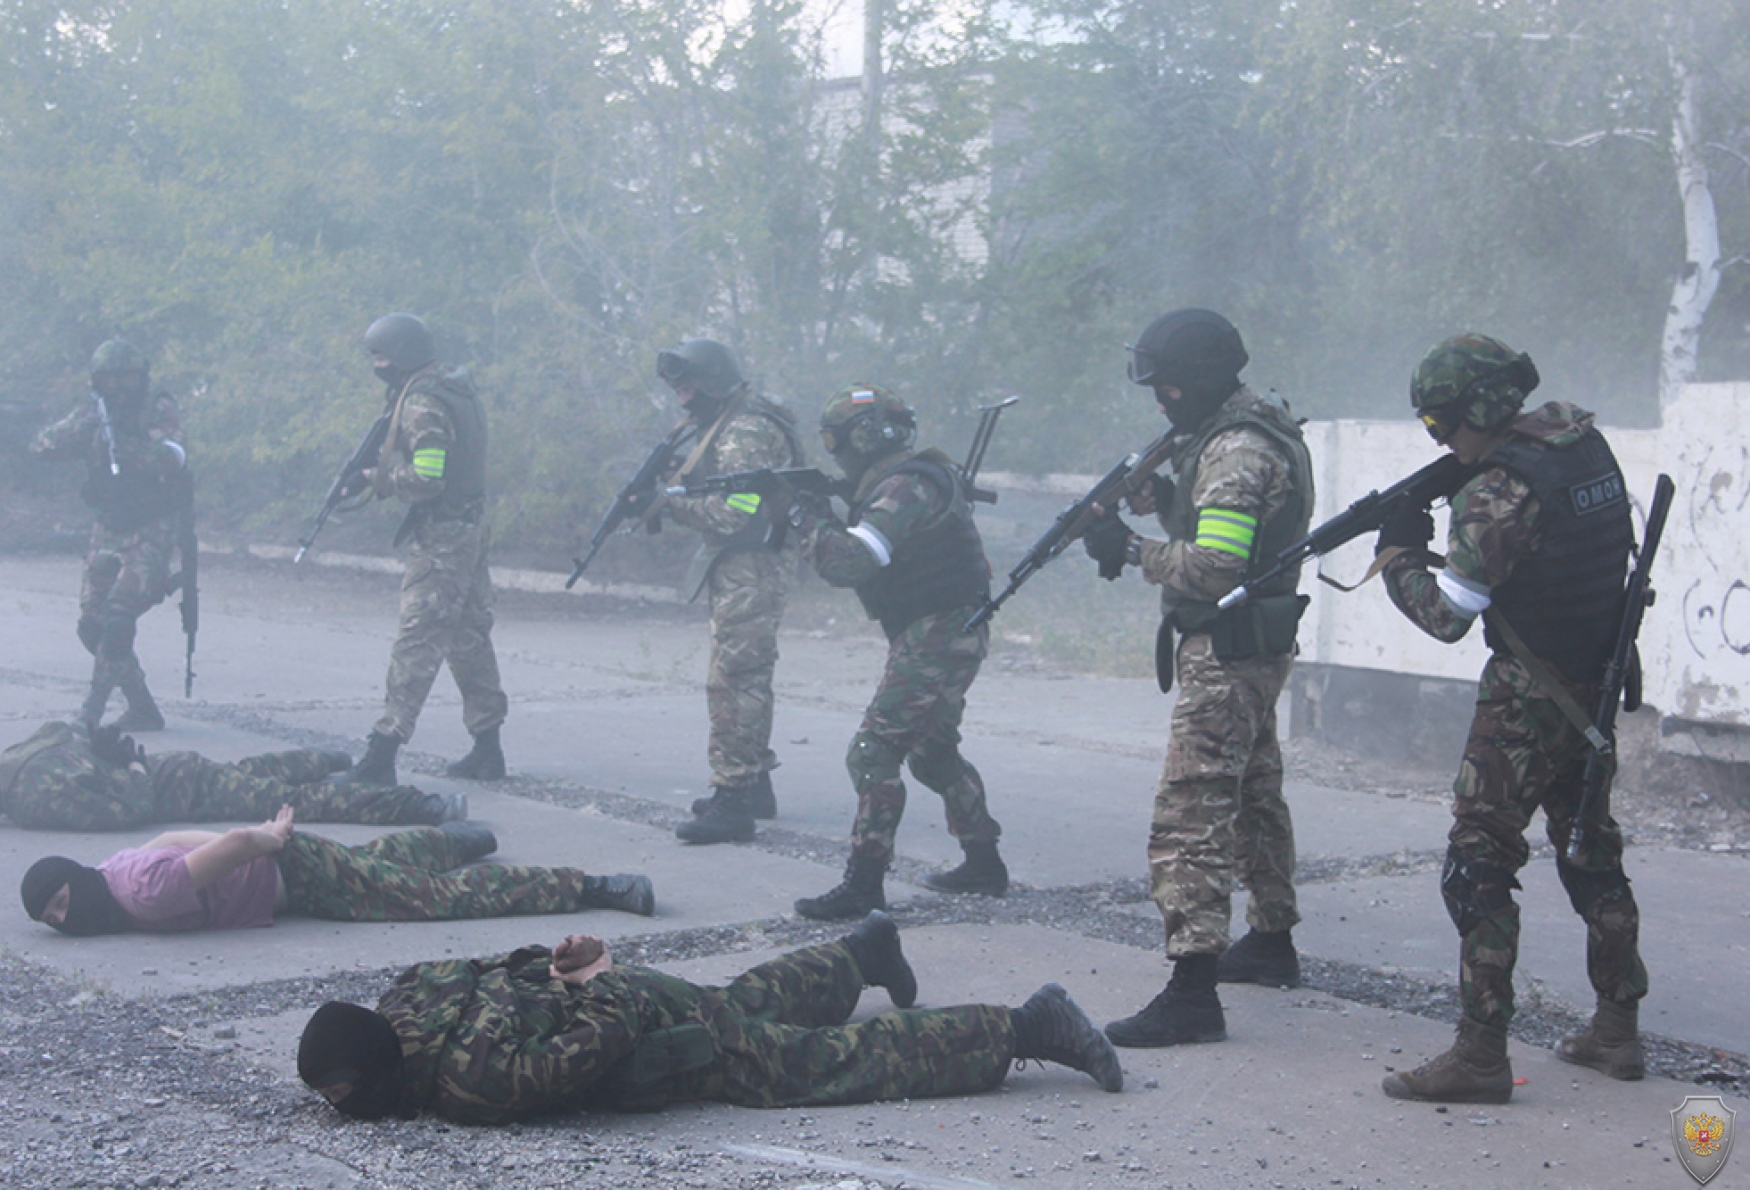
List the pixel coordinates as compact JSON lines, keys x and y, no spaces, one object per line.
{"x":1439,"y":480}
{"x":1621,"y":683}
{"x":190,"y":604}
{"x":1073,"y":523}
{"x":350,"y":482}
{"x":767,"y":482}
{"x":634,"y":496}
{"x":108,"y":430}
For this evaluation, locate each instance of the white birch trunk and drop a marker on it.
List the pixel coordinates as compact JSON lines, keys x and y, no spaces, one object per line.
{"x":1700,"y":276}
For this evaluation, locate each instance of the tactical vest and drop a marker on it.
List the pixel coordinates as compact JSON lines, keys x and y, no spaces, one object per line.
{"x":465,"y":462}
{"x":940,"y":567}
{"x":1270,"y":417}
{"x":1565,"y":601}
{"x":134,"y":499}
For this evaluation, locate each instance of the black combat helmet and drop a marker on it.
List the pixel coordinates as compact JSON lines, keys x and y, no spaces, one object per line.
{"x":704,"y":365}
{"x":1191,"y":350}
{"x":404,"y":341}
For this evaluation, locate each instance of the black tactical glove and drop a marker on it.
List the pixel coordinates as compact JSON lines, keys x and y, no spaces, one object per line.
{"x":112,"y":747}
{"x":1405,"y":527}
{"x":1108,"y":543}
{"x":1161,"y":490}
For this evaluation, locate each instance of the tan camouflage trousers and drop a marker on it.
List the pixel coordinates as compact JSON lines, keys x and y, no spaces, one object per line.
{"x":126,"y":574}
{"x":748,"y":590}
{"x":1219,"y":813}
{"x":1522,"y":755}
{"x":915,"y":718}
{"x":446,"y":617}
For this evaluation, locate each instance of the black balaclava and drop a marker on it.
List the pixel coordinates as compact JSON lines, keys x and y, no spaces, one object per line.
{"x":91,"y":908}
{"x":350,"y":1043}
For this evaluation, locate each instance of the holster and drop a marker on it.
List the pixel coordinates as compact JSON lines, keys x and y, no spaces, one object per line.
{"x":1260,"y":627}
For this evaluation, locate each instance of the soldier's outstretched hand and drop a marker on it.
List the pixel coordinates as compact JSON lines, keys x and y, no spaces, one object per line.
{"x":579,"y":959}
{"x":280,"y":826}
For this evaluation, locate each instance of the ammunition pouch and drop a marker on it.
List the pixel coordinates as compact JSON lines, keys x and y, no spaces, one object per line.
{"x":1260,"y":627}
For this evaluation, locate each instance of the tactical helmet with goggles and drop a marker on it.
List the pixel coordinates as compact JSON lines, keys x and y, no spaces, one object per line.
{"x":703,"y":365}
{"x":866,"y":421}
{"x":1471,"y":380}
{"x":1193,"y":350}
{"x":404,"y":342}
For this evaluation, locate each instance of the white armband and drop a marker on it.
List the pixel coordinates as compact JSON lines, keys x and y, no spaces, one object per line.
{"x":877,"y":544}
{"x":1465,"y":597}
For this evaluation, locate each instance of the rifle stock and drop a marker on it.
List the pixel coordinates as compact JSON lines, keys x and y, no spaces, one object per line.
{"x":1638,"y":597}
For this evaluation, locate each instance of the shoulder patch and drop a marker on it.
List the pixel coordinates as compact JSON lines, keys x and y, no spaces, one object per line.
{"x":1596,"y":495}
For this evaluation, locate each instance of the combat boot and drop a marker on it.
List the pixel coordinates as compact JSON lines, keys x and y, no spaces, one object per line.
{"x":474,"y":840}
{"x":1051,"y":1027}
{"x":336,"y":761}
{"x":874,"y":944}
{"x":625,"y":892}
{"x":1611,"y":1043}
{"x":982,"y":872}
{"x":1474,"y":1070}
{"x":377,"y":766}
{"x":761,"y":801}
{"x":142,"y":713}
{"x":484,"y":763}
{"x":858,"y":893}
{"x":1263,"y":958}
{"x":1187,"y":1012}
{"x":726,"y":820}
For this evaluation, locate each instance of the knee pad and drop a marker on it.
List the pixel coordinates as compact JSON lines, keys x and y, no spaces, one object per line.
{"x":1588,"y":890}
{"x":936,"y":766}
{"x":1474,"y":890}
{"x":871,"y":760}
{"x":115,"y":640}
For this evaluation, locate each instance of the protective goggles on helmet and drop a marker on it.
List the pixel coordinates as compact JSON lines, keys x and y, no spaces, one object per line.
{"x":1141,"y":368}
{"x":838,"y":438}
{"x":672,"y":366}
{"x":1440,"y":427}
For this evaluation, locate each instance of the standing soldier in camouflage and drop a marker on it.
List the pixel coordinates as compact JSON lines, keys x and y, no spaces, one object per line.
{"x":199,"y":880}
{"x":535,"y":1032}
{"x":1243,"y":492}
{"x":66,"y":777}
{"x":1538,"y":547}
{"x":746,"y":565}
{"x":912,"y":553}
{"x":137,"y":479}
{"x":434,"y":461}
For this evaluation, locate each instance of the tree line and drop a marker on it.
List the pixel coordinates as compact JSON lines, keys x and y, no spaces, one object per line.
{"x":1002,"y":202}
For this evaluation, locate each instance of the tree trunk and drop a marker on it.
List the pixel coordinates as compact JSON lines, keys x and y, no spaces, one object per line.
{"x":1700,"y":277}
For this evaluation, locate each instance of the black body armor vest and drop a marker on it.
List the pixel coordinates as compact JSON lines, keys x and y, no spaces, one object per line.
{"x":1565,"y":601}
{"x":938,"y":569}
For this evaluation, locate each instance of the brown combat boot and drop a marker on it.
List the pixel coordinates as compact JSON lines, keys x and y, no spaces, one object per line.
{"x":1474,"y":1070}
{"x":1611,"y":1043}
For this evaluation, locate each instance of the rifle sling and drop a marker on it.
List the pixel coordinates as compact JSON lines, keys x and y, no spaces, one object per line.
{"x":1551,"y":686}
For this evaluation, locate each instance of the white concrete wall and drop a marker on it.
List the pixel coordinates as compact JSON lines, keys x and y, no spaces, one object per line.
{"x":1696,"y":641}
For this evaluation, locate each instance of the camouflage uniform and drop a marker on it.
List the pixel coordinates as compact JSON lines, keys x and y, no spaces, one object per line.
{"x":915,"y":714}
{"x":488,"y":1041}
{"x":1522,"y":754}
{"x":51,"y":781}
{"x":1219,"y":813}
{"x":416,"y":875}
{"x":748,"y":584}
{"x":139,"y":517}
{"x":446,"y":592}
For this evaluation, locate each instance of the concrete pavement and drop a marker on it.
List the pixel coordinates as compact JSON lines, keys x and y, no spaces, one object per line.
{"x":611,"y":706}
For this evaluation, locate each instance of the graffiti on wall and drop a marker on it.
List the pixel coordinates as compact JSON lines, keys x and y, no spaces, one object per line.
{"x":1716,"y":606}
